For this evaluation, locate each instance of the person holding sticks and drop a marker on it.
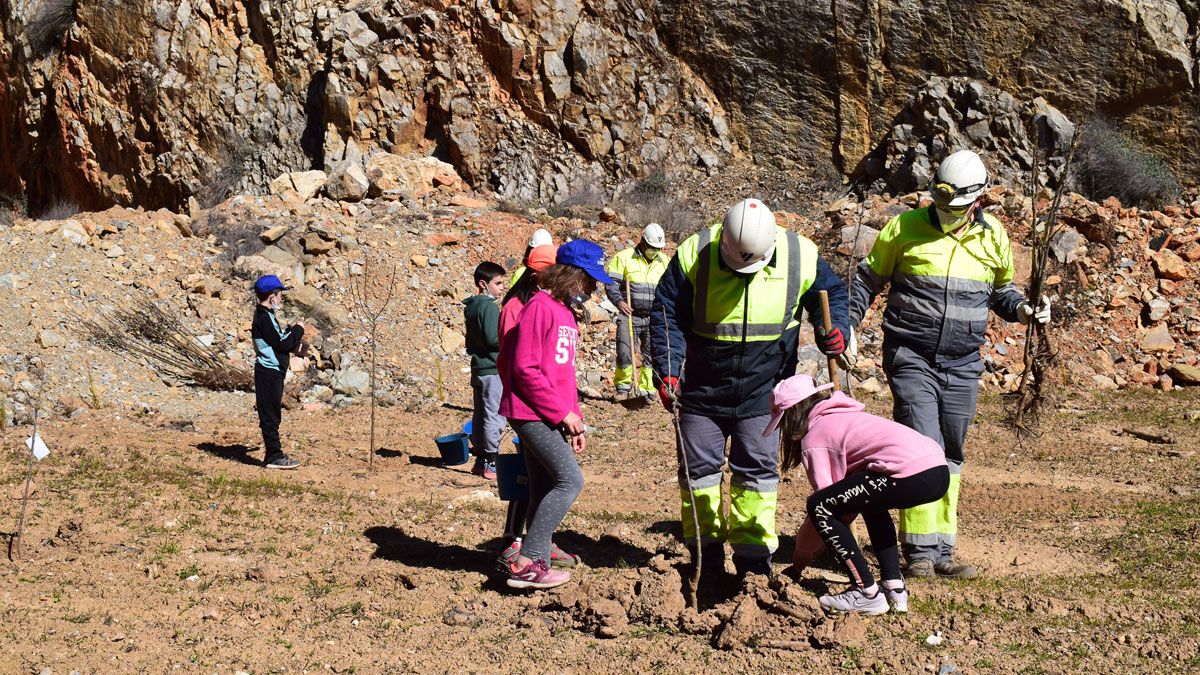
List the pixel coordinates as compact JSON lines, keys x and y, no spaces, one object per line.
{"x":724,"y":329}
{"x":949,"y":265}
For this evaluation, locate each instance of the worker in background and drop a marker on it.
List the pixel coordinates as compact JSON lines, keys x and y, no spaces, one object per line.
{"x":640,"y":267}
{"x":540,"y":237}
{"x":949,"y":265}
{"x":729,"y":305}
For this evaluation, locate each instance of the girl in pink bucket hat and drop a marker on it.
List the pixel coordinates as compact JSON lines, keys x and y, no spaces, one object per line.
{"x":858,"y":463}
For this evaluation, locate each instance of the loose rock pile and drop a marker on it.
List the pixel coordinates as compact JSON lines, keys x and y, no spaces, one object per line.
{"x":950,"y":114}
{"x":1124,"y":279}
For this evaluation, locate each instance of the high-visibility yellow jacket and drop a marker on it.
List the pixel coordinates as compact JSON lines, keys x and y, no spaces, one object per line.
{"x":942,"y":285}
{"x":738,"y":331}
{"x":643,"y":275}
{"x":516,"y":275}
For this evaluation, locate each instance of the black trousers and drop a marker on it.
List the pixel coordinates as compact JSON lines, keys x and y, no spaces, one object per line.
{"x":268,"y":398}
{"x":873,"y":495}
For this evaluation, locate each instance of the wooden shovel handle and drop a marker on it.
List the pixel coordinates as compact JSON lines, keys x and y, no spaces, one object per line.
{"x":827,"y":322}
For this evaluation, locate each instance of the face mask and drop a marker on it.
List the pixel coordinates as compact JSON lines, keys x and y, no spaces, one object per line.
{"x":650,"y":253}
{"x":579,"y":300}
{"x":952,"y":220}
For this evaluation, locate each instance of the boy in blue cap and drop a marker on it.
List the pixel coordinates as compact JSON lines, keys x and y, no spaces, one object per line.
{"x":273,"y":347}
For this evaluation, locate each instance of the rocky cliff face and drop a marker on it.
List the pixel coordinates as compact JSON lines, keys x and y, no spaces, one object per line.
{"x":809,"y":81}
{"x":153,"y":102}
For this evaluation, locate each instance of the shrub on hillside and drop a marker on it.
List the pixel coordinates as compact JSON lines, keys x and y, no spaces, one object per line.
{"x":49,"y":24}
{"x":59,"y":210}
{"x":654,"y":200}
{"x":237,"y":237}
{"x":12,"y":207}
{"x":1111,"y":163}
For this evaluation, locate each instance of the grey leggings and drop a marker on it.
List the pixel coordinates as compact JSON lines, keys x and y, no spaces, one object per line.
{"x":554,"y":482}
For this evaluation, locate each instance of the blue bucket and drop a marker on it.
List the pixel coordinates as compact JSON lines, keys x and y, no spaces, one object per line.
{"x":512,"y":478}
{"x":454,"y":449}
{"x":467,"y":426}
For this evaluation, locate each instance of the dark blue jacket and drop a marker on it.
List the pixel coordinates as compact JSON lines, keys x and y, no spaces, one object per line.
{"x":732,"y":379}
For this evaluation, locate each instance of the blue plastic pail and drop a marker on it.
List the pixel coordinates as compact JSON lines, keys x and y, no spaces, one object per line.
{"x":454,"y":449}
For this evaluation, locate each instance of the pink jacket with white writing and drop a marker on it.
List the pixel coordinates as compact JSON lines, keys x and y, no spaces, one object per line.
{"x":842,"y":439}
{"x":537,"y":363}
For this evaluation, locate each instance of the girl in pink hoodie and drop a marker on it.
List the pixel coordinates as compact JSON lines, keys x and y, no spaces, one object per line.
{"x":858,"y":464}
{"x":541,"y":402}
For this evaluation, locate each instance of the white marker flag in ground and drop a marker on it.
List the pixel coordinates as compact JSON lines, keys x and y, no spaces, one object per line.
{"x":34,"y":443}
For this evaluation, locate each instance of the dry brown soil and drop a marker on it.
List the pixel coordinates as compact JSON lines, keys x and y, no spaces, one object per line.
{"x":158,"y":544}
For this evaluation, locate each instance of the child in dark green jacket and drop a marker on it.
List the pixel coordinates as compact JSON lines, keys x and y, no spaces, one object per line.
{"x":482,"y":316}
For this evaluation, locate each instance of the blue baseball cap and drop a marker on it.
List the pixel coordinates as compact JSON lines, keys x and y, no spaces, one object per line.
{"x":585,"y":255}
{"x":269,"y":283}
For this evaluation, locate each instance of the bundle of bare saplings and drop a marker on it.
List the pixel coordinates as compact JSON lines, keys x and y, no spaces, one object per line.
{"x":143,"y":329}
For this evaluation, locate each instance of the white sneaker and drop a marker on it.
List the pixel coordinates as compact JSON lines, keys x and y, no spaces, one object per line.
{"x":855,"y":601}
{"x":897,"y":598}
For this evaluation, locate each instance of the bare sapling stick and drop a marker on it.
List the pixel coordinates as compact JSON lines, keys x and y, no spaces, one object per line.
{"x":15,"y":543}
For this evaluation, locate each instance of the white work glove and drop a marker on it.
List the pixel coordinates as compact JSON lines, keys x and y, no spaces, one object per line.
{"x":848,"y":358}
{"x":1040,"y":314}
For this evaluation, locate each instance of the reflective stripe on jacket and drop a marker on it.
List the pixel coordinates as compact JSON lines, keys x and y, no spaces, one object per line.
{"x":735,"y":307}
{"x":643,"y":276}
{"x":737,"y":332}
{"x":942,"y":285}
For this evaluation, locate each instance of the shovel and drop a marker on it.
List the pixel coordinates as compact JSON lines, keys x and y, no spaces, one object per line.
{"x":827,"y":322}
{"x":634,"y":400}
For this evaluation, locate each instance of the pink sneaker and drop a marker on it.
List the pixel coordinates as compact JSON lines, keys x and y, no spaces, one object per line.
{"x":508,"y":557}
{"x":536,"y":574}
{"x":560,"y":558}
{"x":485,"y":467}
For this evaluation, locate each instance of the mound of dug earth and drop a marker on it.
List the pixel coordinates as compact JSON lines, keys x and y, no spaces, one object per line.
{"x":774,"y":613}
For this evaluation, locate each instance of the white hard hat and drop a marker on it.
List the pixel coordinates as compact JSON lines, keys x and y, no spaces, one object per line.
{"x":748,"y":236}
{"x":959,"y":180}
{"x":540,"y":237}
{"x":654,"y":236}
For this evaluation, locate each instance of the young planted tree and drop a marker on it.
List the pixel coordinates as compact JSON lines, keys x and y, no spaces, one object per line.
{"x":14,"y":544}
{"x":1033,"y":391}
{"x":371,"y":294}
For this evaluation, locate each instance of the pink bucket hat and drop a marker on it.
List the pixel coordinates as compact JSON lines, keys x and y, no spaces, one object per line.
{"x":787,"y":394}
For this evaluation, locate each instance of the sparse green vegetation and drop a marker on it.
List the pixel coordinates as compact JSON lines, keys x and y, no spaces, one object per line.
{"x":1112,"y":163}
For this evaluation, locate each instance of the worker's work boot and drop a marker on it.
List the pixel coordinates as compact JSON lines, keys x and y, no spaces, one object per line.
{"x":712,"y":561}
{"x":953,"y":570}
{"x":921,"y":569}
{"x":747,"y":565}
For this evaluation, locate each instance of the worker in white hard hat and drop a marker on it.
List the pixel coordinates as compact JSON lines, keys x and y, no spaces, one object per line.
{"x":637,"y":268}
{"x":949,"y":265}
{"x":540,"y":237}
{"x":729,"y":308}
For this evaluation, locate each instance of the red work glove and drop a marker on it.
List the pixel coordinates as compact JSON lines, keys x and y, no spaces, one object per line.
{"x":831,"y":343}
{"x":668,"y":392}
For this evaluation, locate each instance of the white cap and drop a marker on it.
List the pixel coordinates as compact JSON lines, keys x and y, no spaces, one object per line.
{"x":540,"y":237}
{"x":654,"y":236}
{"x":748,"y":236}
{"x":959,"y":180}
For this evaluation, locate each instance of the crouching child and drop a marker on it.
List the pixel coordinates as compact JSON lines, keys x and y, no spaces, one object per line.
{"x":858,"y":464}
